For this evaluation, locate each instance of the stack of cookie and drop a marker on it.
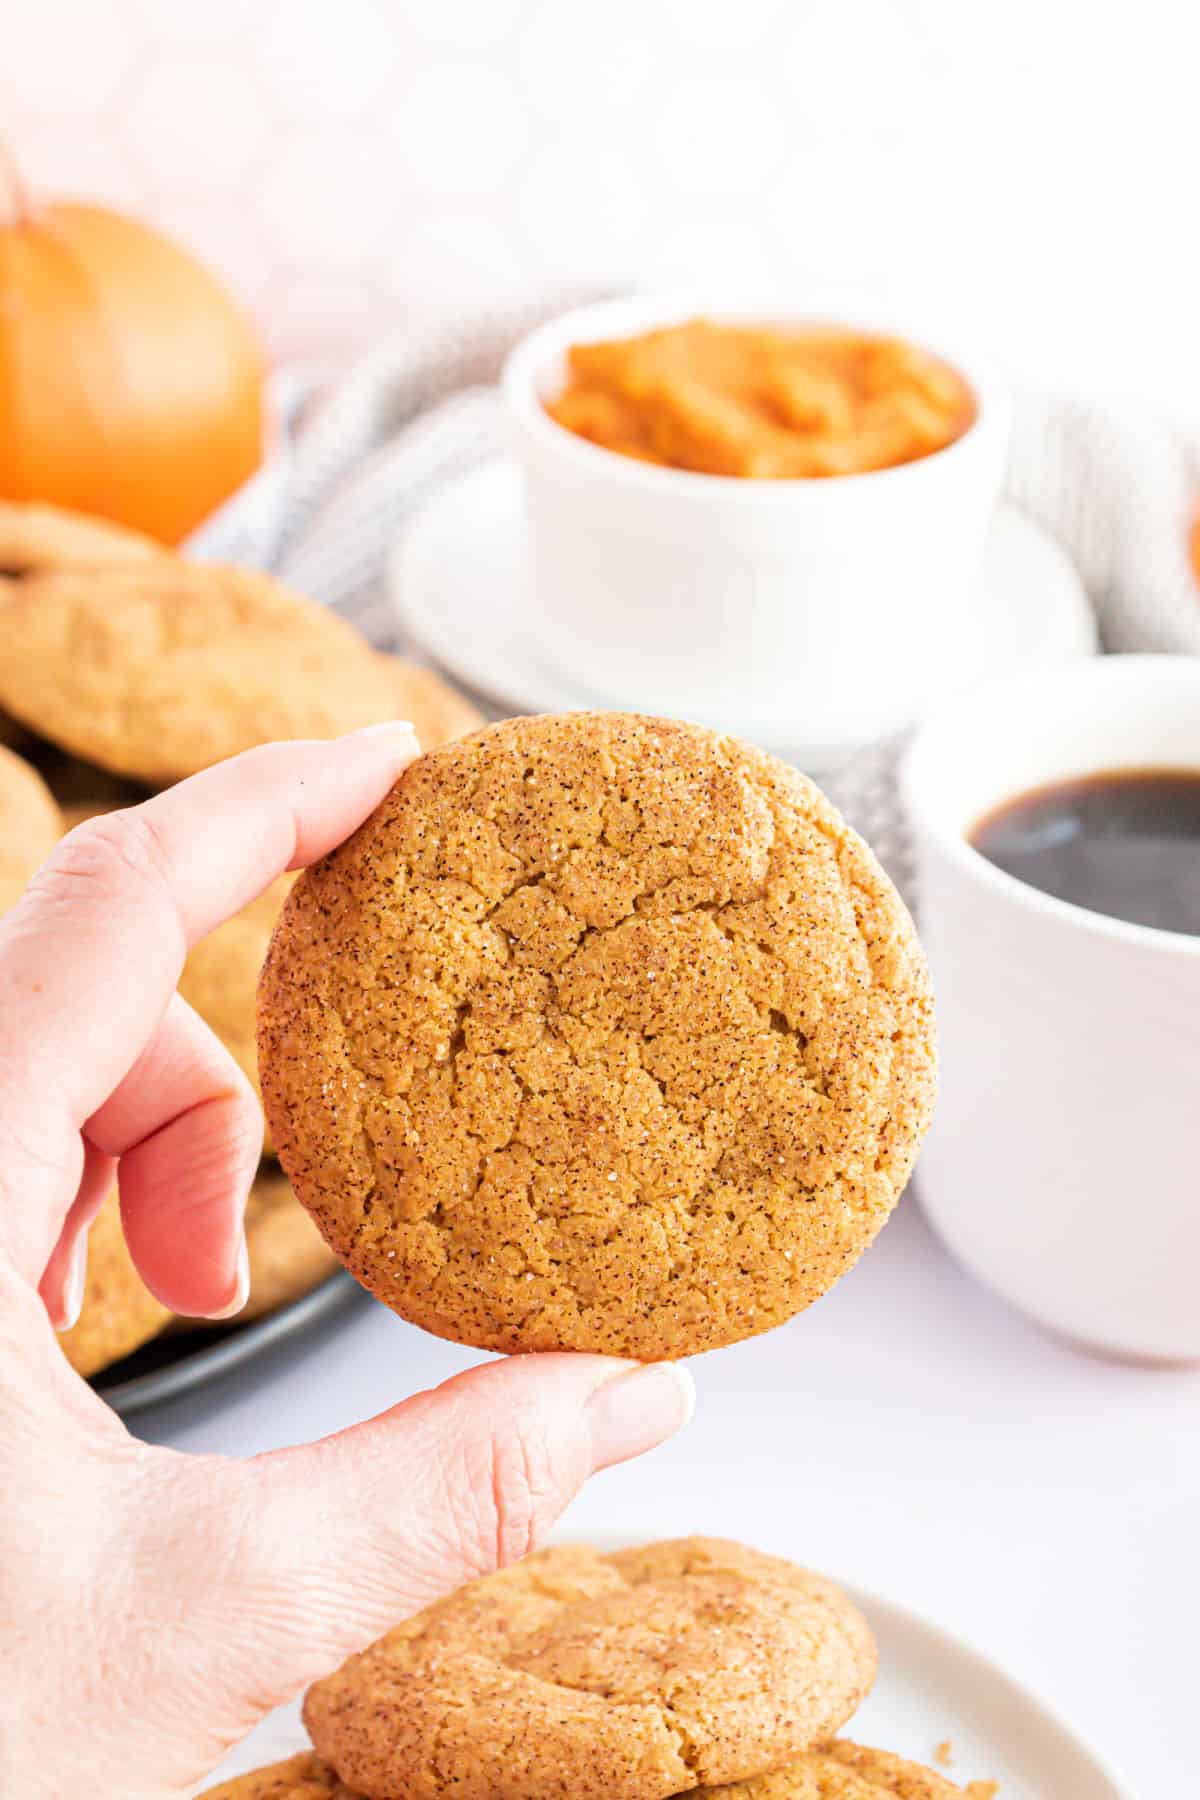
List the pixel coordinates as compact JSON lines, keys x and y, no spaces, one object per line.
{"x":690,"y":1667}
{"x":124,"y":668}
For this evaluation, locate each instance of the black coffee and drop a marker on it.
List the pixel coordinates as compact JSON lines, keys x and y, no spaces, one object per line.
{"x":1125,"y":842}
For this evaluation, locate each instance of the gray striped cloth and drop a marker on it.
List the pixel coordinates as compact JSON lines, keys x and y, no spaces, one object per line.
{"x":358,"y":453}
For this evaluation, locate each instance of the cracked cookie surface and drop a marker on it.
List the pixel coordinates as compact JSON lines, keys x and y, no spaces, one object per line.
{"x":603,"y":1033}
{"x":630,"y":1676}
{"x":158,"y":670}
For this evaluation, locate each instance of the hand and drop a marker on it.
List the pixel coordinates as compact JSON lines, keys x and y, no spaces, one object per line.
{"x":153,"y":1605}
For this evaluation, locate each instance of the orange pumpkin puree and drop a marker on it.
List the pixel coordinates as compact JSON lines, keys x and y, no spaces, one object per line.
{"x":762,"y":402}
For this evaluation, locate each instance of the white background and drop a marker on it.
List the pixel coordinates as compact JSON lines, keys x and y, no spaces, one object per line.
{"x":1028,"y":168}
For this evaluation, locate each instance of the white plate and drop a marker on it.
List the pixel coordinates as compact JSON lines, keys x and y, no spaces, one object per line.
{"x":458,"y":583}
{"x":932,"y":1689}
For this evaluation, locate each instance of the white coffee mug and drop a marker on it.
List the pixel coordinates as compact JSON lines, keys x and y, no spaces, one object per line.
{"x":1063,"y":1167}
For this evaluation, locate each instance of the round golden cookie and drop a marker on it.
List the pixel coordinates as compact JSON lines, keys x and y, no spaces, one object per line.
{"x":159,"y":670}
{"x":30,"y":825}
{"x":845,"y":1771}
{"x":437,"y":712}
{"x":37,"y":537}
{"x":303,"y":1777}
{"x":603,"y":1033}
{"x":119,"y":1313}
{"x":631,"y":1676}
{"x":840,"y":1771}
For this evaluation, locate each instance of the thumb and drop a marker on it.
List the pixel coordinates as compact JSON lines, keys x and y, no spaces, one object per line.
{"x":346,"y":1537}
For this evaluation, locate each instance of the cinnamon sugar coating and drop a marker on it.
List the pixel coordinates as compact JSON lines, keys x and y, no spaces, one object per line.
{"x":603,"y":1033}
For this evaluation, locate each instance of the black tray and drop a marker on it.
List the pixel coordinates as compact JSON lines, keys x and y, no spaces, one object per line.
{"x":180,"y":1362}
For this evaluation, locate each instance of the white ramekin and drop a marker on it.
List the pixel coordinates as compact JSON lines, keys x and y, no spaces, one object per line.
{"x":847,"y":601}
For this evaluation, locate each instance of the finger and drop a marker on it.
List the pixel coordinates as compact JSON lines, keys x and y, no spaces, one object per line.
{"x":338,"y":1541}
{"x":187,"y":1130}
{"x":62,"y":1283}
{"x":91,"y":954}
{"x":140,"y":886}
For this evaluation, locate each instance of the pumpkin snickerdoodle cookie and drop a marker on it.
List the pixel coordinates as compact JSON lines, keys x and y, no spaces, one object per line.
{"x":603,"y":1033}
{"x":30,"y":825}
{"x":303,"y":1777}
{"x":158,"y":670}
{"x":843,"y":1771}
{"x":631,"y":1676}
{"x":35,"y":537}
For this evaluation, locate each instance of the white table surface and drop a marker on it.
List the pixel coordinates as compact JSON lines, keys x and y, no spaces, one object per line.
{"x":909,"y":1433}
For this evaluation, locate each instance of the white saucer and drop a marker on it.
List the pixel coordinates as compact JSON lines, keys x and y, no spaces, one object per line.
{"x":458,"y":576}
{"x":932,"y":1689}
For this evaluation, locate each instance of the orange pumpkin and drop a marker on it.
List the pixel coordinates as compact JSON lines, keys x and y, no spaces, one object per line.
{"x":130,"y":383}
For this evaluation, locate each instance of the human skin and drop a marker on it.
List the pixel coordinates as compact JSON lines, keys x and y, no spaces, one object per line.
{"x":154,"y":1605}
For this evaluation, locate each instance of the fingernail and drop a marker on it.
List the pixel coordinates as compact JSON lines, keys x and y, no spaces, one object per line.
{"x":241,"y":1288}
{"x":637,"y":1410}
{"x":397,"y":728}
{"x":74,"y":1285}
